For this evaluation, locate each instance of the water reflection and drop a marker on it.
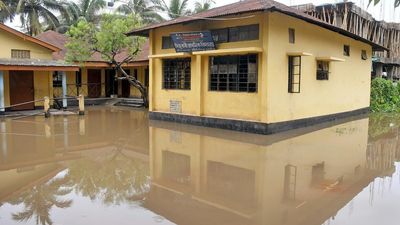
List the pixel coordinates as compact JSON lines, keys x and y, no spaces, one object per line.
{"x":115,"y":168}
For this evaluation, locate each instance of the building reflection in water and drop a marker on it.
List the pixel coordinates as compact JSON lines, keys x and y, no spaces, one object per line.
{"x":190,"y":175}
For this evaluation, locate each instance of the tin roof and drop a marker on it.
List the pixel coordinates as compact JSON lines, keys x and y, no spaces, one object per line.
{"x":247,"y":6}
{"x":36,"y":64}
{"x":60,"y":40}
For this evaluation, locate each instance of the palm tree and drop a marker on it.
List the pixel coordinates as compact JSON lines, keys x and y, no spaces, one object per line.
{"x":39,"y":200}
{"x":32,"y":12}
{"x":203,"y":5}
{"x":175,"y":8}
{"x":396,"y":2}
{"x":88,"y":9}
{"x":141,"y":8}
{"x":7,"y":10}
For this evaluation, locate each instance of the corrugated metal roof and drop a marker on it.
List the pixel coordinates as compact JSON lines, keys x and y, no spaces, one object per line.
{"x":247,"y":6}
{"x":35,"y":62}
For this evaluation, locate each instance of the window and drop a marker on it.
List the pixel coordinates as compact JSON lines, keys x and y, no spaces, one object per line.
{"x":176,"y":73}
{"x":364,"y":55}
{"x":294,"y":74}
{"x":346,"y":50}
{"x":167,"y":42}
{"x":20,"y":54}
{"x":322,"y":70}
{"x":57,"y":79}
{"x":220,"y":35}
{"x":292,"y":36}
{"x":234,"y":34}
{"x":233,"y":73}
{"x":135,"y":74}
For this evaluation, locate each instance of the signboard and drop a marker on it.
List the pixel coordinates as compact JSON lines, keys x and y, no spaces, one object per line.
{"x":175,"y":106}
{"x":193,"y":41}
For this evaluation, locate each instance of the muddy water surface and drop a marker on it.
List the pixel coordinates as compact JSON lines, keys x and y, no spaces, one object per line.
{"x":113,"y":166}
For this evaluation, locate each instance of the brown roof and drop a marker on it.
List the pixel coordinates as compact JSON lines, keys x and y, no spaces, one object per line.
{"x":247,"y":6}
{"x":60,"y":40}
{"x":29,"y":38}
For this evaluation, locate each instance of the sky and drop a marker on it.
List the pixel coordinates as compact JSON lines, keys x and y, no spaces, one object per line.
{"x":383,"y":11}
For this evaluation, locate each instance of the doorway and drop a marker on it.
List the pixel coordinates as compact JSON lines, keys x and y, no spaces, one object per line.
{"x":22,"y":90}
{"x":94,"y":83}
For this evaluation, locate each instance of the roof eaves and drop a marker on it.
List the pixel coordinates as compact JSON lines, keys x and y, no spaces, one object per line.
{"x":29,"y":38}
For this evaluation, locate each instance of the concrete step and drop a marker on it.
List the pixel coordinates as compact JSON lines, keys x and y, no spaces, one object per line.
{"x":130,"y":102}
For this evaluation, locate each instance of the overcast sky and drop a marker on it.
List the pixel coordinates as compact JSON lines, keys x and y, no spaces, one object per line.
{"x":382,"y":11}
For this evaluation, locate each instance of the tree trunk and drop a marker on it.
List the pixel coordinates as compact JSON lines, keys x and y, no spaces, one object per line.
{"x":136,"y":84}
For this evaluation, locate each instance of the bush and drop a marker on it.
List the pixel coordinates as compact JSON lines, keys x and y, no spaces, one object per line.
{"x":385,"y":96}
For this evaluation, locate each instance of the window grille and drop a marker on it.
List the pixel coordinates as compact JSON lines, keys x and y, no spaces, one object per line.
{"x":294,"y":74}
{"x":233,"y":73}
{"x":176,"y":73}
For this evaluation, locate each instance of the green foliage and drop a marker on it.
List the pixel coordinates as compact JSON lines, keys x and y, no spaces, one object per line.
{"x":81,"y":41}
{"x":33,"y":12}
{"x":108,"y":39}
{"x":203,"y":5}
{"x":385,"y":96}
{"x":140,"y":8}
{"x":175,"y":8}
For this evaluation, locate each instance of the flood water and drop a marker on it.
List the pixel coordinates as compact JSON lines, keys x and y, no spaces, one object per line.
{"x":113,"y":166}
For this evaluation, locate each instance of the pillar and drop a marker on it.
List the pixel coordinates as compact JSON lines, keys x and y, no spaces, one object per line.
{"x":390,"y":72}
{"x":64,"y":89}
{"x":379,"y":70}
{"x":3,"y":142}
{"x":2,"y":92}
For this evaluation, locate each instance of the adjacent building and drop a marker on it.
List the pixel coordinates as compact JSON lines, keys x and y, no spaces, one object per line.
{"x":273,"y":68}
{"x":96,"y":79}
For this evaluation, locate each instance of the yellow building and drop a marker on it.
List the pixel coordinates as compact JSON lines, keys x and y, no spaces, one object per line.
{"x":96,"y":79}
{"x":273,"y":68}
{"x":26,"y":68}
{"x":296,"y":178}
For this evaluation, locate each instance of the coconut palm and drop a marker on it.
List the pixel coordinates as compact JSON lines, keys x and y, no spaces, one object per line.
{"x":33,"y":12}
{"x":175,"y":8}
{"x":396,"y":2}
{"x":203,"y":5}
{"x":7,"y":10}
{"x":39,"y":200}
{"x":142,"y":9}
{"x":88,"y":9}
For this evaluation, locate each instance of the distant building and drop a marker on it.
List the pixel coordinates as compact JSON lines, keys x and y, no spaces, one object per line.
{"x":274,"y":68}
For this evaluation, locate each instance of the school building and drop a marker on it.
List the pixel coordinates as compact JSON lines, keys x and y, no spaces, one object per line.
{"x":273,"y":68}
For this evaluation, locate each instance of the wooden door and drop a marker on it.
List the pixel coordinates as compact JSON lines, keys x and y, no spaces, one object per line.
{"x":22,"y":89}
{"x":94,"y":83}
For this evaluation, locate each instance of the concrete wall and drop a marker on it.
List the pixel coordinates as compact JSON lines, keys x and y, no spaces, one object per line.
{"x":14,"y":42}
{"x":347,"y":89}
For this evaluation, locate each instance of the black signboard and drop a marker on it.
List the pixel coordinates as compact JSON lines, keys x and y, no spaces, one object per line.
{"x":193,"y":41}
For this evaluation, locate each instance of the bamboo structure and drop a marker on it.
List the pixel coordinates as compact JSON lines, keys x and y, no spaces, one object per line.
{"x":352,"y":18}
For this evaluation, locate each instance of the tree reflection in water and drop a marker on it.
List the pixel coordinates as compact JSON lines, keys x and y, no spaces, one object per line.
{"x":115,"y":180}
{"x":39,"y":200}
